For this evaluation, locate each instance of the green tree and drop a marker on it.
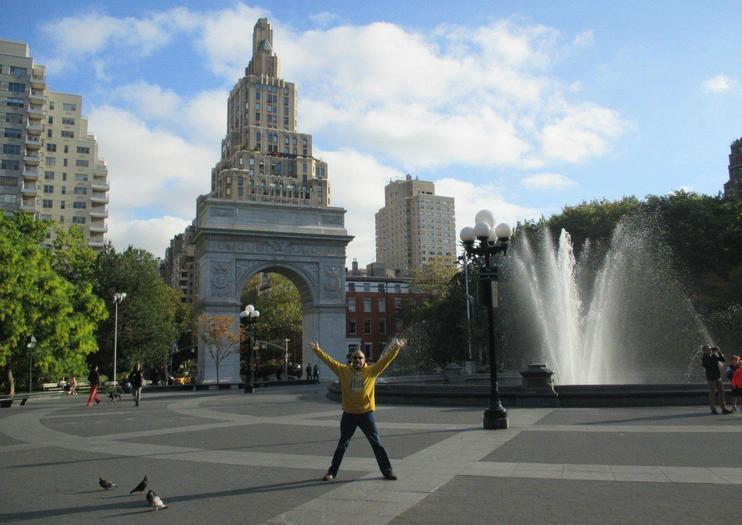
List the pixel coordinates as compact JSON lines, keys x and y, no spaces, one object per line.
{"x":36,"y":300}
{"x":281,"y":312}
{"x":150,"y":319}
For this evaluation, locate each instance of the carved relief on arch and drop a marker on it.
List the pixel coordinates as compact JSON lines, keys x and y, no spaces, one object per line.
{"x":221,"y":278}
{"x":332,"y":280}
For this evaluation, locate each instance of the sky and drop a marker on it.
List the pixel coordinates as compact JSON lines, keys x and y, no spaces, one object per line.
{"x":522,"y":108}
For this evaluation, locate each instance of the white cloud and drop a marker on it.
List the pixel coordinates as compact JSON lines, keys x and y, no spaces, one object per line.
{"x":586,"y":38}
{"x":719,"y":84}
{"x":547,"y":181}
{"x":150,"y":167}
{"x":151,"y":234}
{"x":585,"y":131}
{"x":470,"y":198}
{"x":324,"y":18}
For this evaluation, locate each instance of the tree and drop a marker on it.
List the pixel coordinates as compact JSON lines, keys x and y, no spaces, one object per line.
{"x":36,"y":300}
{"x":219,"y":338}
{"x":150,"y":319}
{"x":281,"y":312}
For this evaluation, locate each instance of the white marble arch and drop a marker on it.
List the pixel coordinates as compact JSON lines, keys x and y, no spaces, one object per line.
{"x":236,"y":240}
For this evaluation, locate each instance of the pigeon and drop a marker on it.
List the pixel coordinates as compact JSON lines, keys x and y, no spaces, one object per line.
{"x":106,"y":484}
{"x":142,"y":485}
{"x":155,"y":501}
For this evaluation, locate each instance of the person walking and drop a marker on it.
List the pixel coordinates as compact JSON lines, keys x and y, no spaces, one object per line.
{"x":309,"y":372}
{"x":357,"y":387}
{"x":94,"y":380}
{"x":315,"y":374}
{"x":137,"y":381}
{"x":710,"y":361}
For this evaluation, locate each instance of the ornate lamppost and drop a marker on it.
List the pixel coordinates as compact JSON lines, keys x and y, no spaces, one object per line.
{"x":493,"y":240}
{"x":117,"y":298}
{"x":248,"y":317}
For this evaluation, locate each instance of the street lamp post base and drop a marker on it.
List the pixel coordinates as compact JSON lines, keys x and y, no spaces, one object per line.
{"x":495,"y":419}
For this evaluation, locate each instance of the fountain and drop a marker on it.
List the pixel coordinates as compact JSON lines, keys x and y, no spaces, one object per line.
{"x":614,"y":314}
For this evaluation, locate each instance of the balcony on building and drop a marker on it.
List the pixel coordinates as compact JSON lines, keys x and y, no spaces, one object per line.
{"x":33,"y":128}
{"x":38,"y":81}
{"x":99,"y":199}
{"x":35,"y":113}
{"x":31,"y":174}
{"x":30,"y":190}
{"x":29,"y":206}
{"x":98,"y":228}
{"x":31,"y":160}
{"x":32,"y":143}
{"x":36,"y":99}
{"x":96,"y":241}
{"x":100,"y":186}
{"x":100,"y":169}
{"x":99,"y":212}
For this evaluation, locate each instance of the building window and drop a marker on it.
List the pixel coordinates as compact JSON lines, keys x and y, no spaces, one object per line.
{"x":46,"y":203}
{"x":367,"y":304}
{"x":397,"y":303}
{"x":367,"y":327}
{"x":49,"y":175}
{"x":51,"y":147}
{"x":13,"y":133}
{"x":366,"y":287}
{"x":48,"y":188}
{"x":382,"y":326}
{"x":83,"y":150}
{"x":382,"y":304}
{"x":368,"y":349}
{"x":18,"y":71}
{"x":15,"y":102}
{"x":61,"y":204}
{"x":68,"y":121}
{"x":69,"y":107}
{"x":351,"y":287}
{"x":352,"y":327}
{"x":82,"y":163}
{"x":50,"y":161}
{"x":8,"y":164}
{"x":351,"y":304}
{"x":381,"y":288}
{"x":79,"y":205}
{"x":78,"y":220}
{"x":81,"y":177}
{"x":16,"y":87}
{"x":11,"y":149}
{"x":14,"y":118}
{"x":67,"y":134}
{"x":80,"y":190}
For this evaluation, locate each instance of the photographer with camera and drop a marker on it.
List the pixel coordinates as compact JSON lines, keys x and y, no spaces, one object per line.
{"x":710,"y":361}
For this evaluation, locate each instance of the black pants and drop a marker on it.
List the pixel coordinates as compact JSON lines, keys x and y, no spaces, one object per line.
{"x":348,"y":425}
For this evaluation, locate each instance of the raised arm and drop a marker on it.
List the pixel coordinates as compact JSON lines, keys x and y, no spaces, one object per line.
{"x":388,"y":356}
{"x":329,"y":361}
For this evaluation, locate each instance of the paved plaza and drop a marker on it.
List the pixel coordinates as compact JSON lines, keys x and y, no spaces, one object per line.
{"x":225,"y":457}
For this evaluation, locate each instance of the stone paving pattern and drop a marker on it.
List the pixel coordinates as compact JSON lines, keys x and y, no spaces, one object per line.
{"x":226,"y":457}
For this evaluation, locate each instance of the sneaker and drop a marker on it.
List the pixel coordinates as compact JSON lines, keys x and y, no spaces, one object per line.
{"x":328,"y":477}
{"x":390,"y":476}
{"x":714,"y":411}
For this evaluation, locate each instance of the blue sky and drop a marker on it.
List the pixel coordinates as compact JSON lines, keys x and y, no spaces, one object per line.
{"x":522,"y":108}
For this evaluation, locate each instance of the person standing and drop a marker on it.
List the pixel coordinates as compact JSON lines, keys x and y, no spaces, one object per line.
{"x":710,"y":361}
{"x":357,"y":387}
{"x":94,"y":380}
{"x":734,"y":374}
{"x":137,"y":381}
{"x":315,"y":374}
{"x":309,"y":372}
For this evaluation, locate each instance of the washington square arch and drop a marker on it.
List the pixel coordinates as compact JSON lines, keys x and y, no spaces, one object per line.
{"x":268,"y":211}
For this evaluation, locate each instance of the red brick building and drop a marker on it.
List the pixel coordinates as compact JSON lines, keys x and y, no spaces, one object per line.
{"x":374,"y":311}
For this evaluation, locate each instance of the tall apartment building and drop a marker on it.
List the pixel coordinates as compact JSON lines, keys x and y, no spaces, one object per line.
{"x":415,"y":226}
{"x":264,"y":158}
{"x":733,"y":187}
{"x":179,"y":266}
{"x":49,"y":161}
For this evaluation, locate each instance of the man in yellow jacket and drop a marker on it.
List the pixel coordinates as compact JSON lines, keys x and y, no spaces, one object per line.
{"x":357,"y":385}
